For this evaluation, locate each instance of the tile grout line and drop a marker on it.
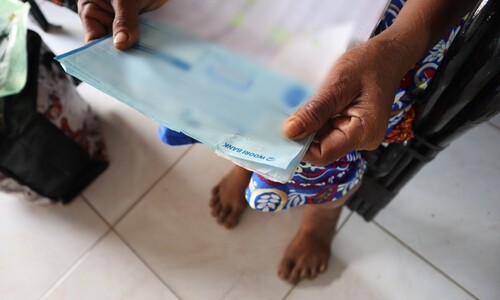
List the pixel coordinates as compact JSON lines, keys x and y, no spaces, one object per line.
{"x":92,"y":207}
{"x":289,"y":292}
{"x":493,"y":125}
{"x":111,"y":229}
{"x":153,"y":185}
{"x":340,"y":227}
{"x":345,"y":221}
{"x":425,"y":260}
{"x":112,"y":226}
{"x":73,"y":266}
{"x":146,"y":264}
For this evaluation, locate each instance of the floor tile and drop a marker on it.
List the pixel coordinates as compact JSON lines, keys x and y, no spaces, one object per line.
{"x":449,"y":212}
{"x":137,"y":156}
{"x":172,"y":229}
{"x":66,"y":38}
{"x":111,"y":271}
{"x":39,"y":243}
{"x":496,"y":121}
{"x":369,"y":264}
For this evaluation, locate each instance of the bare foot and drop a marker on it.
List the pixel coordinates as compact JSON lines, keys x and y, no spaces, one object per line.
{"x":228,"y":197}
{"x":308,"y":253}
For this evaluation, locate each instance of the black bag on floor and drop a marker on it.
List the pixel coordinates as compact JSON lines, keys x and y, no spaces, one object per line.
{"x":50,"y":143}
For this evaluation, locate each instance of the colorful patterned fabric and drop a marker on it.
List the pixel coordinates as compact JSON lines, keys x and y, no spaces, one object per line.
{"x":59,"y":102}
{"x":317,"y":185}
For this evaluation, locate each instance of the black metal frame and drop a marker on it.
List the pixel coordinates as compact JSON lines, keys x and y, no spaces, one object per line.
{"x":39,"y":17}
{"x":464,"y":92}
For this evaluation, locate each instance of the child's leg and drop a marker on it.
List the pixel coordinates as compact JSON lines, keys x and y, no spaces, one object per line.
{"x":228,"y":197}
{"x":308,"y":253}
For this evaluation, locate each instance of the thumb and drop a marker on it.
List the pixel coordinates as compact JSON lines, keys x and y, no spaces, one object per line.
{"x":334,"y":95}
{"x":125,"y":31}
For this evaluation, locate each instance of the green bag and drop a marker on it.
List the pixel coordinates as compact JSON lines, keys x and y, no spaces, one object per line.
{"x":13,"y":58}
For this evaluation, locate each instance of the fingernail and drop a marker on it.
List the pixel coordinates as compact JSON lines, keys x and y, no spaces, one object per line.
{"x":294,"y":127}
{"x":120,"y":37}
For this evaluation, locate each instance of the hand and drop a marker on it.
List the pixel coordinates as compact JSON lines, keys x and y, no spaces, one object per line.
{"x":101,"y":17}
{"x":352,"y":107}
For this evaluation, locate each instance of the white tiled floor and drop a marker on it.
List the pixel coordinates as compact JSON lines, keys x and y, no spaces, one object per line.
{"x":369,"y":264}
{"x":143,"y":230}
{"x":455,"y":225}
{"x":39,"y":243}
{"x":110,"y":271}
{"x":133,"y":141}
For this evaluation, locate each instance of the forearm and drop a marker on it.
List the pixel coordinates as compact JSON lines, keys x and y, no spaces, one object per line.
{"x":421,"y":23}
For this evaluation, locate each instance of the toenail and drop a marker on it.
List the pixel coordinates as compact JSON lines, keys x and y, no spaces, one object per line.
{"x":322,"y":268}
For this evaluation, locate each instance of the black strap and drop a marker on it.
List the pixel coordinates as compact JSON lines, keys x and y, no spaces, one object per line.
{"x":427,"y":143}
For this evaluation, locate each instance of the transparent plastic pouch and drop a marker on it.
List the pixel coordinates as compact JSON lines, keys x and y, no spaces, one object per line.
{"x":13,"y":57}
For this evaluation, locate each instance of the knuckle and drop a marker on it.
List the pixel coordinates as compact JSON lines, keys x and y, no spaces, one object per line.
{"x":92,"y":8}
{"x":83,"y":7}
{"x":124,"y":8}
{"x":120,"y":22}
{"x":373,"y":133}
{"x":346,"y":62}
{"x":316,"y":112}
{"x":338,"y":89}
{"x":327,"y":153}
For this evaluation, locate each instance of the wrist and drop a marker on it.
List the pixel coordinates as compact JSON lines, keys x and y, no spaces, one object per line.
{"x":400,"y":54}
